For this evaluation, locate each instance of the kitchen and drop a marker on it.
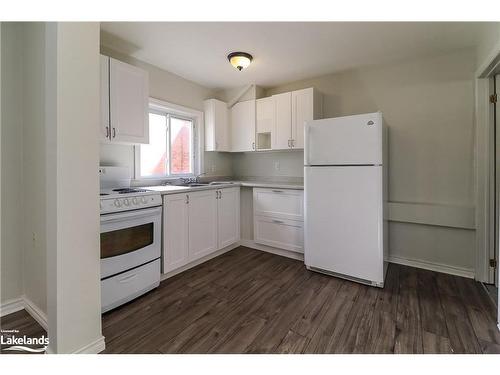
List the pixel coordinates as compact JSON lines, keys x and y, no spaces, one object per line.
{"x":215,"y":216}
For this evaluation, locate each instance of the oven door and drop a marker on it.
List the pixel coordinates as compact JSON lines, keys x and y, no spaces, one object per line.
{"x":129,"y":239}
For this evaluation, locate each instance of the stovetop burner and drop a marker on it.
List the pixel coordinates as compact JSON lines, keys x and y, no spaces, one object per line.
{"x":129,"y":190}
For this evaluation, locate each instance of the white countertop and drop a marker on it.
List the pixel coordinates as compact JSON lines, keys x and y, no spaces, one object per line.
{"x":172,"y":189}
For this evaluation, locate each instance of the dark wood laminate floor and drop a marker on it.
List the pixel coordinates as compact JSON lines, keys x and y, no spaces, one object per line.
{"x":247,"y":301}
{"x":22,"y":322}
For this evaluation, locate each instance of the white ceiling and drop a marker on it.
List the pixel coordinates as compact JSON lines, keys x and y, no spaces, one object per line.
{"x":283,"y":52}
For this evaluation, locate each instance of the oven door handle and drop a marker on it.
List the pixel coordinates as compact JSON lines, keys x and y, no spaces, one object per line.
{"x":135,"y":214}
{"x":128,"y":278}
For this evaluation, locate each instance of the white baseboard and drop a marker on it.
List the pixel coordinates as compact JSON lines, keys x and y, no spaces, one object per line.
{"x":273,"y":250}
{"x":11,"y":306}
{"x":432,"y":266}
{"x":36,"y":313}
{"x":167,"y":275}
{"x":94,"y":347}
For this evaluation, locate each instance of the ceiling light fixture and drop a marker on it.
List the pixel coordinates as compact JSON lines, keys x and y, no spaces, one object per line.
{"x":240,"y":60}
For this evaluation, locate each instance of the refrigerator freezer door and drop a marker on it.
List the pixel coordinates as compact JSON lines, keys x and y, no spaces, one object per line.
{"x":346,"y":140}
{"x":344,"y":222}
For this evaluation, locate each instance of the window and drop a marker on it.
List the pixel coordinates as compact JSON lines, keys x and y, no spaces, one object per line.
{"x":171,"y":150}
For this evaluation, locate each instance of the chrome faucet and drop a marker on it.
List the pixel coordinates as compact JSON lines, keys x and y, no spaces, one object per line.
{"x":191,"y":180}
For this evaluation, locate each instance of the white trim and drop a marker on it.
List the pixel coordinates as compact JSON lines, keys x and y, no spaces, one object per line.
{"x":433,"y":266}
{"x":433,"y":214}
{"x":198,"y":138}
{"x":273,"y":250}
{"x":94,"y":347}
{"x":11,"y":306}
{"x":35,"y":312}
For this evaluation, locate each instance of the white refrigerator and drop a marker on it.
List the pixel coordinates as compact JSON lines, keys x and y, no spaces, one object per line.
{"x":345,"y":187}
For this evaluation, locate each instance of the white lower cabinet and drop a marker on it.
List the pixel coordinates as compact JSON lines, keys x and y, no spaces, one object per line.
{"x":279,"y":218}
{"x":175,"y":231}
{"x":228,"y":216}
{"x":202,"y":224}
{"x":197,"y":224}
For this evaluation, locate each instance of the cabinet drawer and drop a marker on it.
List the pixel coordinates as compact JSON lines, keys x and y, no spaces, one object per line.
{"x":279,"y":203}
{"x":283,"y":234}
{"x":117,"y":290}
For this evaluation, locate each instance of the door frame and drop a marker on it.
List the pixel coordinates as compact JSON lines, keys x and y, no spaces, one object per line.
{"x":484,"y":167}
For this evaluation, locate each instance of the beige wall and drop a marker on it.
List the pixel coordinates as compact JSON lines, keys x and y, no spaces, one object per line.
{"x":173,"y":89}
{"x":34,"y":181}
{"x":73,"y":225}
{"x":23,"y":174}
{"x":489,"y":46}
{"x":12,"y":159}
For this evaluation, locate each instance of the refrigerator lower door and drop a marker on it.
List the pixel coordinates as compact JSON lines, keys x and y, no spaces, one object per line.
{"x":344,"y":222}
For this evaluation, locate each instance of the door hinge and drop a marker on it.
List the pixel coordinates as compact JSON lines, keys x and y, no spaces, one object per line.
{"x":493,"y":98}
{"x":493,"y":263}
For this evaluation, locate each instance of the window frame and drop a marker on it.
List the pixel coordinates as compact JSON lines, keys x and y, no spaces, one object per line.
{"x":164,"y":108}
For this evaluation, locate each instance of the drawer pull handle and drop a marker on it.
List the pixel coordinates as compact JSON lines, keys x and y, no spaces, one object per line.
{"x":278,"y":222}
{"x":277,"y":191}
{"x":129,"y":278}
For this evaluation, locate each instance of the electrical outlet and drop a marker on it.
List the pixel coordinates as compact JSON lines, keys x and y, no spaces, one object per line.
{"x":277,"y":165}
{"x":213,"y":168}
{"x":33,"y":238}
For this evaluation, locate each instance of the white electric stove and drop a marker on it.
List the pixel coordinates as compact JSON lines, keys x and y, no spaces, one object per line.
{"x":130,"y":238}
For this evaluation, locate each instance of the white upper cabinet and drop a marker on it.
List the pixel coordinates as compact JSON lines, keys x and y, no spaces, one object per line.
{"x":125,"y":90}
{"x":307,"y":105}
{"x":283,"y":115}
{"x":105,"y":127}
{"x":243,"y":126}
{"x":292,"y":109}
{"x":264,"y":113}
{"x":217,"y":137}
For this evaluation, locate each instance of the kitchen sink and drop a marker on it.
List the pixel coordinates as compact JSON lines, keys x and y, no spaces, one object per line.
{"x":193,"y":184}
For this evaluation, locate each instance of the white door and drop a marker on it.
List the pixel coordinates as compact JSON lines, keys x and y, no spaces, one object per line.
{"x":175,"y":231}
{"x":302,"y":111}
{"x":228,"y":216}
{"x":343,"y":220}
{"x":243,"y":126}
{"x":283,"y":120}
{"x":129,"y":94}
{"x":344,"y":140}
{"x":105,"y":129}
{"x":202,"y":223}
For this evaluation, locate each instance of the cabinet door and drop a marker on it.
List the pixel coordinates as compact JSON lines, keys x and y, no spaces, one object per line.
{"x":243,"y":126}
{"x":104,"y":124}
{"x":216,"y":126}
{"x":302,"y":110}
{"x":202,"y":223}
{"x":175,"y":231}
{"x":283,"y":118}
{"x":228,"y":216}
{"x":265,"y":115}
{"x":128,"y":96}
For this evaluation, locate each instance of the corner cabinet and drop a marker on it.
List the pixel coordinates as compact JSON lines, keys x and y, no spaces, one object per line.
{"x":197,"y":224}
{"x":217,"y":136}
{"x":124,"y":103}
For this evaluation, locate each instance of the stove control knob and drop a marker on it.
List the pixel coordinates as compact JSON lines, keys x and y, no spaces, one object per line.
{"x":117,"y":203}
{"x":135,"y":201}
{"x":144,"y":200}
{"x":126,"y":202}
